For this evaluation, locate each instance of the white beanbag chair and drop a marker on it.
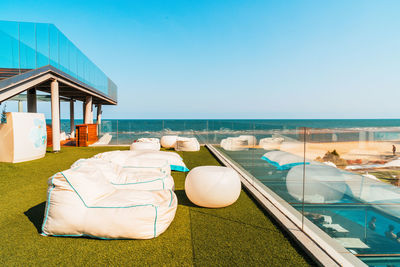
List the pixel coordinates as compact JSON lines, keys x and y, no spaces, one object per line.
{"x":149,"y":140}
{"x":84,"y":204}
{"x":168,"y":141}
{"x":212,"y":186}
{"x":144,"y":174}
{"x":145,"y":180}
{"x":109,"y":170}
{"x":251,"y":140}
{"x":283,"y":160}
{"x":175,"y":161}
{"x":145,"y":146}
{"x":116,"y":156}
{"x":187,"y":144}
{"x":234,"y":144}
{"x":138,"y":164}
{"x":271,"y":143}
{"x":323,"y":184}
{"x":121,"y":157}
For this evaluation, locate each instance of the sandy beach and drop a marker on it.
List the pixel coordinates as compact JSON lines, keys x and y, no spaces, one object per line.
{"x":365,"y":150}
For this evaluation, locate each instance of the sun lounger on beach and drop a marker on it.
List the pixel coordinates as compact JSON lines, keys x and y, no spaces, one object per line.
{"x":283,"y":160}
{"x":336,"y":227}
{"x":323,"y":184}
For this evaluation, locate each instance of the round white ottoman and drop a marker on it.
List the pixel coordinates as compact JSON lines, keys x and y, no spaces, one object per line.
{"x":212,"y":186}
{"x":271,"y":143}
{"x":251,"y":140}
{"x":234,"y":144}
{"x":168,"y":141}
{"x":187,"y":144}
{"x":145,"y":146}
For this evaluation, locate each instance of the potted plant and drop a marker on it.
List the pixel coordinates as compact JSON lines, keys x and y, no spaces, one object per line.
{"x":3,"y":117}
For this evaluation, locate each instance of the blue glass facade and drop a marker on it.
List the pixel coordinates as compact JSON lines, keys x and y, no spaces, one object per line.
{"x":25,"y":46}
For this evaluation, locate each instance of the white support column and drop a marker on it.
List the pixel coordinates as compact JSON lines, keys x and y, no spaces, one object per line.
{"x":72,"y":117}
{"x":88,"y":110}
{"x":20,"y":106}
{"x":31,"y":100}
{"x":55,"y":115}
{"x":91,"y":114}
{"x":98,"y":118}
{"x":83,"y":111}
{"x":59,"y":108}
{"x":99,"y":114}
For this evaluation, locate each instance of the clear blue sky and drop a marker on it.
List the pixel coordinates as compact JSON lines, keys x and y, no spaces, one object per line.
{"x":235,"y":59}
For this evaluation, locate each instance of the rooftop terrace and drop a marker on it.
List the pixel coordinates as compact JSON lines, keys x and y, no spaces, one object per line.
{"x":241,"y":234}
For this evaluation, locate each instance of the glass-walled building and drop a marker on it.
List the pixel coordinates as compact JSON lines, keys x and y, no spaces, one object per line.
{"x":37,"y":57}
{"x":26,"y":46}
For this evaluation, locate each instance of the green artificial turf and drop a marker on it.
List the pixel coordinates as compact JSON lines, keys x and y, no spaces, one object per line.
{"x":240,"y":234}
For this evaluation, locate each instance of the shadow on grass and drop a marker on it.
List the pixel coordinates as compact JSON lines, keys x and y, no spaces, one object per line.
{"x":182,"y":199}
{"x":35,"y":215}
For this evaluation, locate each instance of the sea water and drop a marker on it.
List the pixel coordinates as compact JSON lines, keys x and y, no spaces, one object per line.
{"x":125,"y":131}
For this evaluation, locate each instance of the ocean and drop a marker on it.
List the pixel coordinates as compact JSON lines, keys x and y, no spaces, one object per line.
{"x":125,"y":131}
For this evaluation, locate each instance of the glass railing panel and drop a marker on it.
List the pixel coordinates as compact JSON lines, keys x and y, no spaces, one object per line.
{"x":344,"y":182}
{"x":42,"y":45}
{"x":220,"y":129}
{"x":127,"y":131}
{"x":110,"y":127}
{"x":85,"y":68}
{"x":9,"y":57}
{"x":53,"y":46}
{"x":81,"y":66}
{"x":210,"y":132}
{"x":112,"y":88}
{"x":173,"y":127}
{"x":123,"y":132}
{"x":197,"y":129}
{"x":64,"y":55}
{"x":363,"y":229}
{"x":73,"y":63}
{"x":27,"y":45}
{"x":352,"y":179}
